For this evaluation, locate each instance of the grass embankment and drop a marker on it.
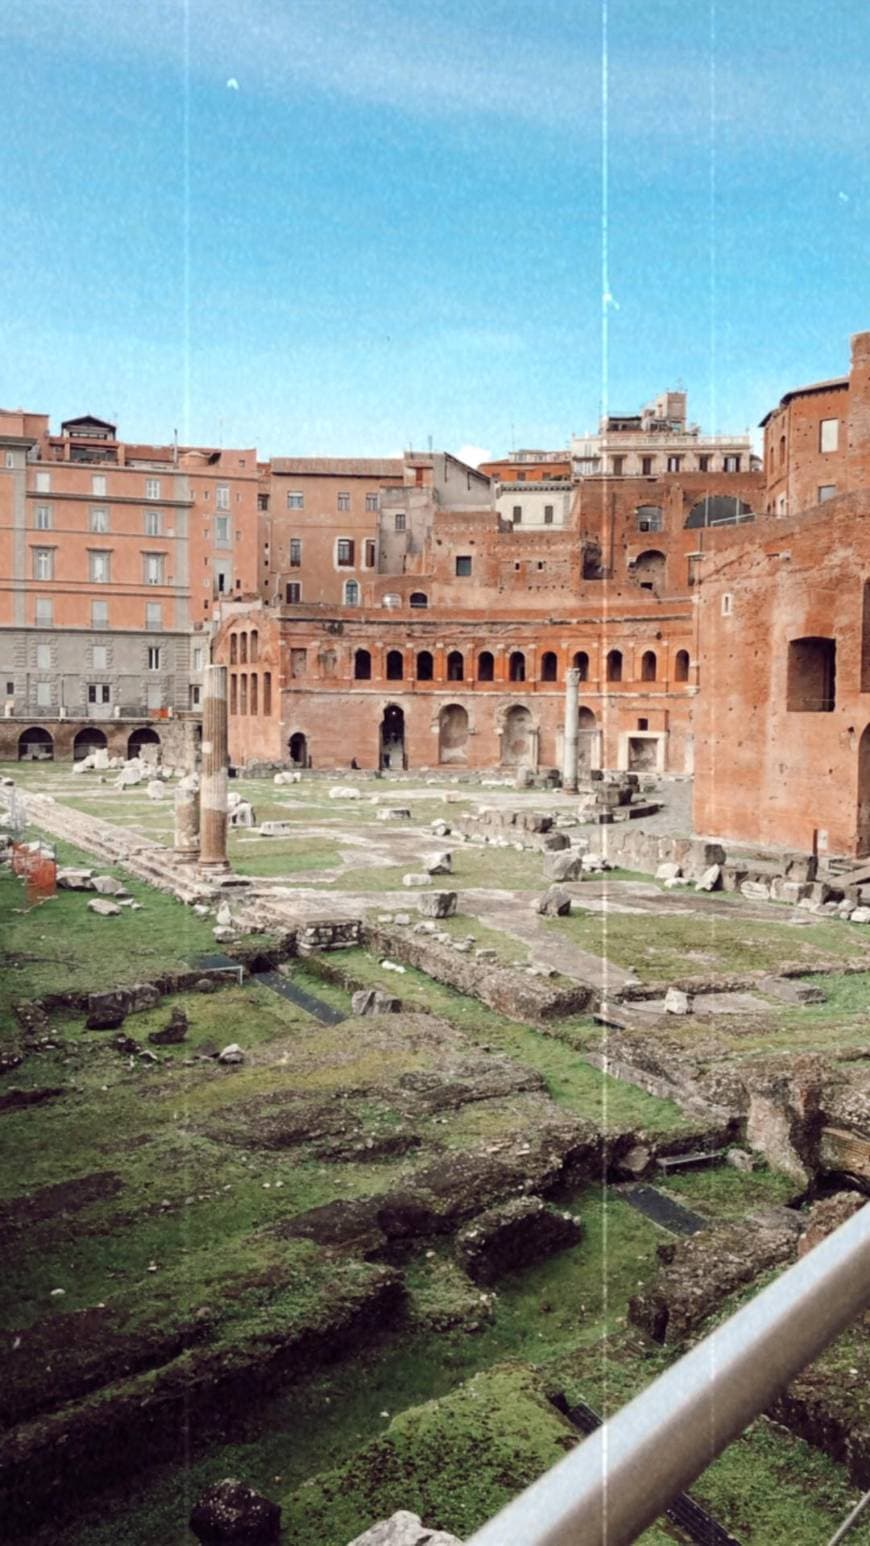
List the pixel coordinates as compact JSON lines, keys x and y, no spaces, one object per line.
{"x":663,"y":947}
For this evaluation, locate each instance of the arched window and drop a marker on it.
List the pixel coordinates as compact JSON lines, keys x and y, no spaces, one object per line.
{"x":234,"y":649}
{"x":719,"y":510}
{"x":649,"y":569}
{"x":681,"y":666}
{"x":549,"y":667}
{"x":517,"y":666}
{"x":485,"y":666}
{"x":243,"y":647}
{"x":455,"y":667}
{"x":395,"y":666}
{"x":614,"y":666}
{"x":581,"y":664}
{"x":648,"y":666}
{"x":419,"y":598}
{"x":351,"y":593}
{"x":585,"y":719}
{"x":362,"y":666}
{"x":255,"y":645}
{"x":424,"y":666}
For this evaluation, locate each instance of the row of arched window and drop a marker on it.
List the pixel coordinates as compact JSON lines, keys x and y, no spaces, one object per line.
{"x":244,"y":647}
{"x":485,"y":666}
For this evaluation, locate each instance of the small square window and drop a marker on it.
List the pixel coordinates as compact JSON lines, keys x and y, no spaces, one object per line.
{"x":344,"y":552}
{"x":826,"y":491}
{"x":152,"y":488}
{"x":98,"y":568}
{"x":99,"y":519}
{"x":98,"y":484}
{"x":293,"y":592}
{"x":372,"y":502}
{"x":43,"y":483}
{"x":344,"y":501}
{"x":400,"y":520}
{"x":829,"y":434}
{"x":295,"y":501}
{"x":152,"y":523}
{"x":153,"y":657}
{"x":222,"y":497}
{"x":463,"y":564}
{"x":43,"y":518}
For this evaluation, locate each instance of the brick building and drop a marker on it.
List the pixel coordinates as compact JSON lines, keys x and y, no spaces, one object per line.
{"x":112,"y":557}
{"x":784,"y":637}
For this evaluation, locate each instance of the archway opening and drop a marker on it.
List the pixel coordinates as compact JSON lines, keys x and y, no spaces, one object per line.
{"x":517,"y":738}
{"x":648,"y":666}
{"x":392,"y":749}
{"x":144,"y":743}
{"x":418,"y":598}
{"x":648,"y":570}
{"x":455,"y":666}
{"x":298,"y":749}
{"x":549,"y":666}
{"x":35,"y":745}
{"x":681,"y":666}
{"x":362,"y":666}
{"x":452,"y":733}
{"x":517,"y":666}
{"x":581,"y":664}
{"x":87,"y":741}
{"x":395,"y":666}
{"x":485,"y":666}
{"x":587,"y":725}
{"x":425,"y":666}
{"x":614,"y":666}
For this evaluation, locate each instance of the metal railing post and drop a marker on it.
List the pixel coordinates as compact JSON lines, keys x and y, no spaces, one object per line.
{"x":616,"y":1483}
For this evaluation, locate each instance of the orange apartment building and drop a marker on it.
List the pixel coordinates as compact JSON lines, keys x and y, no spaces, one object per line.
{"x":112,"y":559}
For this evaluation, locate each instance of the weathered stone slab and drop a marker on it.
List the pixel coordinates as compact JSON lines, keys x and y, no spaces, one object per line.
{"x":404,"y":1529}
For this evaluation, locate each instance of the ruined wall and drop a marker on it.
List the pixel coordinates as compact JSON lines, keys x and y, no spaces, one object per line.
{"x":783,"y":746}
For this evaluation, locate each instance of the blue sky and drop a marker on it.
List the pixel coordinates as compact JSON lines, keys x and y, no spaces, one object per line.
{"x":327,"y":227}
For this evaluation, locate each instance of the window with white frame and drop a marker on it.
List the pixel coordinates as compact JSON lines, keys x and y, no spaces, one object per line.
{"x":99,"y":614}
{"x":197,"y":657}
{"x":372,"y":502}
{"x":295,"y":500}
{"x":195,"y":695}
{"x":153,"y":568}
{"x":100,"y":653}
{"x":399,"y":522}
{"x":153,"y":614}
{"x":43,"y":483}
{"x":10,"y":459}
{"x":42,"y":518}
{"x":99,"y":567}
{"x":222,"y":530}
{"x":344,"y":552}
{"x":829,"y":434}
{"x":222,"y":497}
{"x":98,"y":484}
{"x":152,"y":488}
{"x":43,"y":563}
{"x":351,"y":593}
{"x":295,"y":552}
{"x":99,"y":692}
{"x":344,"y":501}
{"x":154,"y":657}
{"x":44,"y":612}
{"x":153,"y":521}
{"x":99,"y":519}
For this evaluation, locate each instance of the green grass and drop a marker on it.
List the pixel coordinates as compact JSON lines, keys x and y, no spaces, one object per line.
{"x":611,"y":1104}
{"x":727,"y":1193}
{"x":278,"y":856}
{"x":661,"y":947}
{"x":59,"y":946}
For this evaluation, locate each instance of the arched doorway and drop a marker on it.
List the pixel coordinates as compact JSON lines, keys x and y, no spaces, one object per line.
{"x":88,"y":740}
{"x":392,"y":748}
{"x":144,"y":743}
{"x":863,"y":832}
{"x":587,"y":726}
{"x":35,"y":745}
{"x":517,"y":740}
{"x":453,"y":733}
{"x":298,"y":749}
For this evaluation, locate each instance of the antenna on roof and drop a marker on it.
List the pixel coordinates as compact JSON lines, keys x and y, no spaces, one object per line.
{"x":429,"y":438}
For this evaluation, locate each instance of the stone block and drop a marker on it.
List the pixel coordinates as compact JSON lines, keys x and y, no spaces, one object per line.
{"x":344,"y":792}
{"x":438,"y":863}
{"x":756,"y":890}
{"x":75,"y":880}
{"x":677,"y":1002}
{"x":668,"y":871}
{"x":860,"y":915}
{"x":104,"y":908}
{"x":156,"y":789}
{"x":438,"y":904}
{"x":232,"y":1514}
{"x":413,"y":881}
{"x":553,"y":842}
{"x":107,"y":885}
{"x":514,"y":1234}
{"x":404,"y":1529}
{"x":275,"y":828}
{"x":232,"y":1054}
{"x":564,"y":866}
{"x":394,"y":813}
{"x":555,"y":903}
{"x":710,"y":880}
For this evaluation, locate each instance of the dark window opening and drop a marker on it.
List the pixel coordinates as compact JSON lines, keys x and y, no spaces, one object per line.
{"x":424,"y":666}
{"x":485,"y":667}
{"x":455,"y":665}
{"x":419,"y":598}
{"x":581,"y":664}
{"x":517,"y":666}
{"x":463,"y":564}
{"x":648,"y":666}
{"x":362,"y":666}
{"x":614,"y":666}
{"x":395,"y":666}
{"x":549,"y":667}
{"x":681,"y":666}
{"x":812,"y":676}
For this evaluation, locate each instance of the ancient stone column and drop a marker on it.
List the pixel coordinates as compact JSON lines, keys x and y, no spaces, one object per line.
{"x":213,"y":781}
{"x":572,"y":721}
{"x":187,"y":817}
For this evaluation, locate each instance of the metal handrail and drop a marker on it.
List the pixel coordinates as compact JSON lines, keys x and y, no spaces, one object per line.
{"x":608,"y":1490}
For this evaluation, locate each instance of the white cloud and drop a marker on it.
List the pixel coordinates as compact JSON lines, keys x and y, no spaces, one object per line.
{"x":473,"y":455}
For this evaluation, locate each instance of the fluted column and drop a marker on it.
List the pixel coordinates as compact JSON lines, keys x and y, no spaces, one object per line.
{"x":572,"y":721}
{"x":213,"y":786}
